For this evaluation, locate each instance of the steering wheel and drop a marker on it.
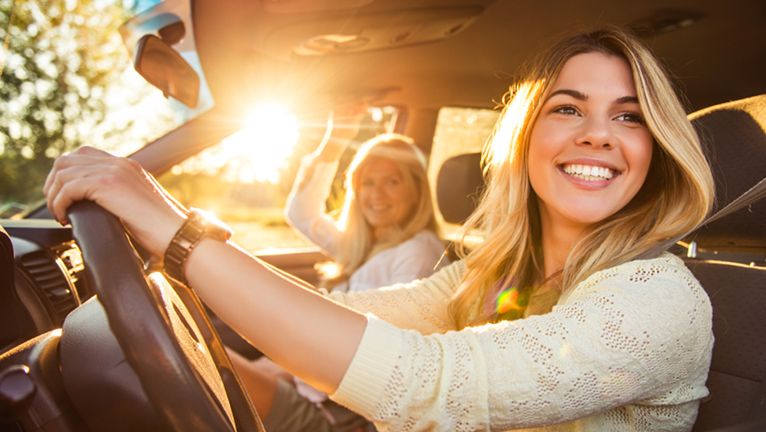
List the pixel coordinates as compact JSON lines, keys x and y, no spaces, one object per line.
{"x":163,"y":331}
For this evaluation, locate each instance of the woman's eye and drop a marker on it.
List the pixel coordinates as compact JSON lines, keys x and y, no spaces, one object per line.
{"x":566,"y":110}
{"x":631,"y":117}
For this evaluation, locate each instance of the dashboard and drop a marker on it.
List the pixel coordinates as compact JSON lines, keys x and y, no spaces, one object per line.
{"x":42,"y":279}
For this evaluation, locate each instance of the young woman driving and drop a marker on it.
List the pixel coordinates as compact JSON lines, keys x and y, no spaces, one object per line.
{"x":560,"y":320}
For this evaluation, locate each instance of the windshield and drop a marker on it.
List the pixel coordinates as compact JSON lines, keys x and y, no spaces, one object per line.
{"x":69,"y":81}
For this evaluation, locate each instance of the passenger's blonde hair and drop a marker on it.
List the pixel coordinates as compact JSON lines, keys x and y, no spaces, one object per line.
{"x":676,"y":196}
{"x":356,"y":244}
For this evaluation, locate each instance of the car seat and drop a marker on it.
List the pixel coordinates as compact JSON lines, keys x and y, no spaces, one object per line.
{"x":725,"y":249}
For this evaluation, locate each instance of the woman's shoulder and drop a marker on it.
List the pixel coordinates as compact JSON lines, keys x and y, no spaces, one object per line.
{"x":666,"y":274}
{"x":424,"y":244}
{"x":425,"y":238}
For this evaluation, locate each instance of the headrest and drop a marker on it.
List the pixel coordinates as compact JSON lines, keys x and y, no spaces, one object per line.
{"x":735,"y":136}
{"x":458,"y":187}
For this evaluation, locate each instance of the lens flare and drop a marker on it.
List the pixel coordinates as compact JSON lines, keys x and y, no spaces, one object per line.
{"x":261,"y":148}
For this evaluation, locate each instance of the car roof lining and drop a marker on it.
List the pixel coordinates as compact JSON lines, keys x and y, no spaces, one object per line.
{"x":256,"y":64}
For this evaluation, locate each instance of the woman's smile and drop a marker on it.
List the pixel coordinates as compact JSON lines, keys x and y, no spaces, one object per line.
{"x":589,"y":174}
{"x":386,"y":199}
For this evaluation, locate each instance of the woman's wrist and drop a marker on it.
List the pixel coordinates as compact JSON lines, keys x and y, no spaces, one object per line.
{"x":198,"y":225}
{"x":331,"y":149}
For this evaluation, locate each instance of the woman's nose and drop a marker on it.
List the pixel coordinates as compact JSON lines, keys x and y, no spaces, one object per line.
{"x":376,"y":190}
{"x":597,"y":133}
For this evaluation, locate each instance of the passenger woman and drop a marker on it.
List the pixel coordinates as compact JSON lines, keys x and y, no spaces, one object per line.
{"x":384,"y":233}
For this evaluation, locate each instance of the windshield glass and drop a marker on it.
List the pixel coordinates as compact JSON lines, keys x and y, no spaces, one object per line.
{"x":69,"y":81}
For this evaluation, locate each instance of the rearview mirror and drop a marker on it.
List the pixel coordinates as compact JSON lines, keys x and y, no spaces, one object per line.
{"x":164,"y":68}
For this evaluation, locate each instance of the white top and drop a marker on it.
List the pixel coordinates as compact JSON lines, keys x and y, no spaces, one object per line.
{"x":412,"y":259}
{"x":629,"y":348}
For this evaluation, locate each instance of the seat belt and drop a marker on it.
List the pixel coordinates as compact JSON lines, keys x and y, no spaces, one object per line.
{"x":750,"y":196}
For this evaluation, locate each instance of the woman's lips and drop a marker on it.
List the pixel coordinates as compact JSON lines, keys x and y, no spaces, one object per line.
{"x":589,"y":176}
{"x":589,"y":171}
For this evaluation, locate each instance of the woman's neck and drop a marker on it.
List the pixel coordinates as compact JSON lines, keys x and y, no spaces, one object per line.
{"x":383,"y":234}
{"x":558,"y":240}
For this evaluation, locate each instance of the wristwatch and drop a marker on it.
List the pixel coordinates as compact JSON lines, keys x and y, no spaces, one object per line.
{"x":198,"y":224}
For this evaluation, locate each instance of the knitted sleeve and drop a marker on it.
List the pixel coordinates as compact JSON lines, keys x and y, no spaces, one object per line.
{"x":305,"y":209}
{"x":419,"y":305}
{"x":628,"y":349}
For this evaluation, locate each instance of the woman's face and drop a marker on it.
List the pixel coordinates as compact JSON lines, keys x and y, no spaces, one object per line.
{"x":384,"y":197}
{"x":589,"y":148}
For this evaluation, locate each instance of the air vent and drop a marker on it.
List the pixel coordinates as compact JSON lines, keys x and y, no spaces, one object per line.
{"x":50,"y":276}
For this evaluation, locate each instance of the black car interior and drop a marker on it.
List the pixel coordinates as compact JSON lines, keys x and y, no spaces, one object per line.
{"x":737,"y":380}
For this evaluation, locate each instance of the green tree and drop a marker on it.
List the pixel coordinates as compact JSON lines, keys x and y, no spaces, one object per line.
{"x":57,"y":59}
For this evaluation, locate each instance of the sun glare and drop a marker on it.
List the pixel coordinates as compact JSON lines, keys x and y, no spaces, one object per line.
{"x":261,"y":148}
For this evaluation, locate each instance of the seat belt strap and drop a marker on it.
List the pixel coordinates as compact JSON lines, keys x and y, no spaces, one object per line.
{"x":750,"y":196}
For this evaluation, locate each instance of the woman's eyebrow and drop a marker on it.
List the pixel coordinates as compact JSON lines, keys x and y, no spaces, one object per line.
{"x":583,"y":97}
{"x":574,"y":93}
{"x":627,"y":99}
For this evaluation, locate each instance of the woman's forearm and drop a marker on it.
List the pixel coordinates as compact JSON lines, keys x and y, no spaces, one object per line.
{"x":307,"y":334}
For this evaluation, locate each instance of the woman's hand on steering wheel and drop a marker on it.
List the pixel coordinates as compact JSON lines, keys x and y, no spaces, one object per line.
{"x":119,"y":185}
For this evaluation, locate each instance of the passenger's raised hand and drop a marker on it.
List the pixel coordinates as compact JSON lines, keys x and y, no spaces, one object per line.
{"x":342,"y":127}
{"x":119,"y":185}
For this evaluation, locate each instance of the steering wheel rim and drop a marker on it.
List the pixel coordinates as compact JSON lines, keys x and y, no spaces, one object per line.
{"x":164,"y":332}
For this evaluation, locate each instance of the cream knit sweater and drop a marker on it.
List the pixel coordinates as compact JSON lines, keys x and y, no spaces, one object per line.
{"x":628,"y":349}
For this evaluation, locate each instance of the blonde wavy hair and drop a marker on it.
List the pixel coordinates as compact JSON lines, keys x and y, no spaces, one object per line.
{"x":676,"y":196}
{"x":356,"y":244}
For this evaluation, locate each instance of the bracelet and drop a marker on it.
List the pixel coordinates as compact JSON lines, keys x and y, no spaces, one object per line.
{"x":198,"y":224}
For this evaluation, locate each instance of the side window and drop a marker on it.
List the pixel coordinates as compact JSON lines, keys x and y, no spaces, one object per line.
{"x":245,"y":179}
{"x":458,"y":131}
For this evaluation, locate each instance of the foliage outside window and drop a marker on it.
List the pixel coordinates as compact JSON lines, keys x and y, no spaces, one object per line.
{"x":67,"y":81}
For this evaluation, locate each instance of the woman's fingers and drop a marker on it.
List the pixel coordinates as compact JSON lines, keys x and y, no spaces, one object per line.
{"x":85,"y":156}
{"x":66,"y":194}
{"x":76,"y":166}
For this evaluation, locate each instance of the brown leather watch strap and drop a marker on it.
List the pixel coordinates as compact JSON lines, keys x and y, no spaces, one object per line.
{"x":198,"y":224}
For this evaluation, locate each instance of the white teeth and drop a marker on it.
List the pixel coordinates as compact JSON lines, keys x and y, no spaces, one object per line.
{"x":589,"y":172}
